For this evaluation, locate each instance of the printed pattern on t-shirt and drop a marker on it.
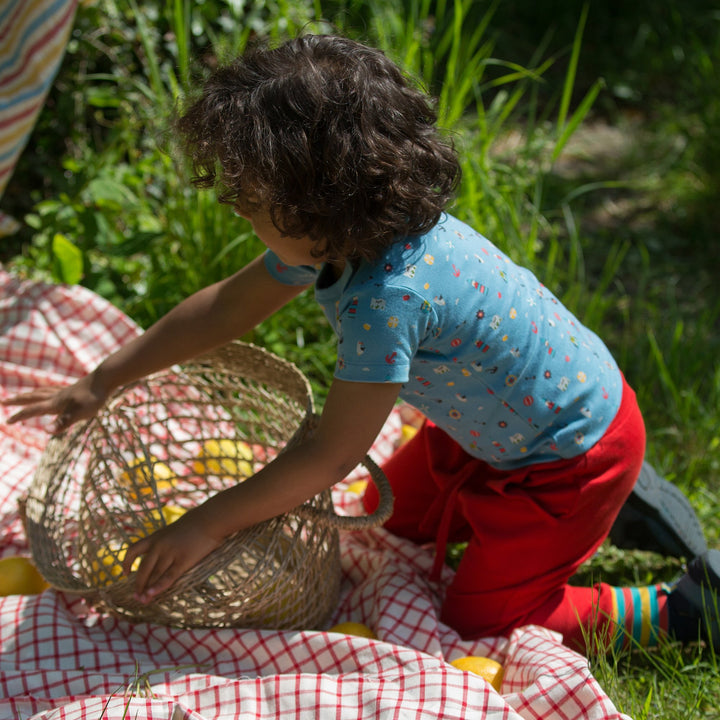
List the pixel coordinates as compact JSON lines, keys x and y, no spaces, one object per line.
{"x":480,"y":346}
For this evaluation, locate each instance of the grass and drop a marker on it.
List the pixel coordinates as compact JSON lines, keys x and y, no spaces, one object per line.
{"x":607,"y":191}
{"x":666,"y":683}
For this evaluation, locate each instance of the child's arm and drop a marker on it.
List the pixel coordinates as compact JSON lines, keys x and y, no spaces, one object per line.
{"x":353,"y":415}
{"x":209,"y":318}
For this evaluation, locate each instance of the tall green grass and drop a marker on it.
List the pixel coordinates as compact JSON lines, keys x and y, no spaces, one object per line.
{"x":123,"y":220}
{"x":137,"y":233}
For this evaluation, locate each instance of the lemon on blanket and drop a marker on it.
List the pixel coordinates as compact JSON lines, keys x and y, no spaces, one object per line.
{"x":487,"y":668}
{"x":357,"y":487}
{"x":407,"y":432}
{"x":171,"y":513}
{"x":138,"y":478}
{"x":107,"y":566}
{"x":19,"y":576}
{"x":354,"y":628}
{"x":224,"y":457}
{"x":166,"y":515}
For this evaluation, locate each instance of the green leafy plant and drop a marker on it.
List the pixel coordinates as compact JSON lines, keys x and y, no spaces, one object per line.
{"x":516,"y":81}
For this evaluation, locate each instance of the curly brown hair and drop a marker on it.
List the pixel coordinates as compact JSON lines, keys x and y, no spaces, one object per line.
{"x":330,"y":137}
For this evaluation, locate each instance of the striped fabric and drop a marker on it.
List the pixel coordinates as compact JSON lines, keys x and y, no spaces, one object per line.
{"x":640,"y":614}
{"x":33,"y":35}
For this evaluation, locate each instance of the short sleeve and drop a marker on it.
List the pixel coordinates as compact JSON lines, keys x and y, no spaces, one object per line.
{"x":379,"y":334}
{"x":289,"y":274}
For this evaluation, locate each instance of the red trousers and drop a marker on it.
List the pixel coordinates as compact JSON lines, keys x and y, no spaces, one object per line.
{"x":528,"y":530}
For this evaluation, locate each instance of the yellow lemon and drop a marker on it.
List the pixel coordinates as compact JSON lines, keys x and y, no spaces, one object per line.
{"x":164,"y":516}
{"x":354,"y":628}
{"x":487,"y":668}
{"x":138,"y":478}
{"x":171,"y":513}
{"x":19,"y":576}
{"x":107,"y":567}
{"x":357,"y":487}
{"x":407,"y":432}
{"x":224,"y":457}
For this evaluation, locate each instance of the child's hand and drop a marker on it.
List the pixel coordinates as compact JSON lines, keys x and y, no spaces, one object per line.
{"x":168,"y":553}
{"x":69,"y":404}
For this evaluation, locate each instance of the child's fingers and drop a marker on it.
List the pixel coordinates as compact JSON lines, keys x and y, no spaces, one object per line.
{"x":37,"y":395}
{"x":43,"y":401}
{"x":133,"y":552}
{"x":158,"y":569}
{"x":166,"y":555}
{"x":31,"y":412}
{"x":158,"y":584}
{"x":63,"y":421}
{"x":160,"y":576}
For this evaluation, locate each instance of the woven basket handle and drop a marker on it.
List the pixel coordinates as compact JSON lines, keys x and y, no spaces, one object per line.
{"x":355,"y":522}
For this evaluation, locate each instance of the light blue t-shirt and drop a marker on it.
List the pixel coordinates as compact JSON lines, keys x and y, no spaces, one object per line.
{"x":480,"y":346}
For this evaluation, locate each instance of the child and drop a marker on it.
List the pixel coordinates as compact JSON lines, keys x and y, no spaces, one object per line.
{"x":533,"y":439}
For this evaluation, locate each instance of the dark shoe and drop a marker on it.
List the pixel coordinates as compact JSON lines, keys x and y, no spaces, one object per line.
{"x":693,"y":601}
{"x":659,"y":518}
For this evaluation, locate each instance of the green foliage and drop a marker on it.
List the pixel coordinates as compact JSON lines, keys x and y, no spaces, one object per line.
{"x":146,"y":239}
{"x":660,"y":59}
{"x":666,"y":682}
{"x":123,"y":212}
{"x":68,"y":263}
{"x":516,"y":80}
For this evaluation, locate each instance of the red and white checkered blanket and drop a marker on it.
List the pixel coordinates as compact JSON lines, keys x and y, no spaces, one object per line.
{"x":60,"y":659}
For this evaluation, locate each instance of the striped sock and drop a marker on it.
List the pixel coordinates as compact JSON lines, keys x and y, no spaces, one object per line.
{"x":640,"y":615}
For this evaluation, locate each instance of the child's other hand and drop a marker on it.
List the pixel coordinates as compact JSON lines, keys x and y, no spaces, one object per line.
{"x":69,"y":404}
{"x":167,"y":554}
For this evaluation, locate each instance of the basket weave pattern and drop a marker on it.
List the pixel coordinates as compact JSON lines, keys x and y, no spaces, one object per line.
{"x":165,"y":444}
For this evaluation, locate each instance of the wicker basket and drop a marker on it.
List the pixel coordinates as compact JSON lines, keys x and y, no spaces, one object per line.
{"x":165,"y":444}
